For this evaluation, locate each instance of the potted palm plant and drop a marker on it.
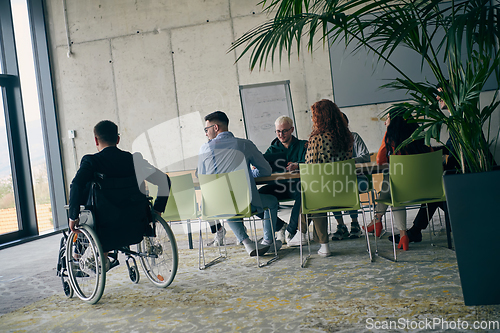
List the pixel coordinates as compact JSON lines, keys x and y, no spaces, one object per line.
{"x":458,"y":41}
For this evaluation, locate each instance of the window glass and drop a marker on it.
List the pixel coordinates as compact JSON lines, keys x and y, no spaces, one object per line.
{"x":33,"y":123}
{"x":8,"y":214}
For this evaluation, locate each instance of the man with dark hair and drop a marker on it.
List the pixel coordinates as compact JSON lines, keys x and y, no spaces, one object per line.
{"x":113,"y":163}
{"x":225,"y":153}
{"x":106,"y":131}
{"x":217,"y":228}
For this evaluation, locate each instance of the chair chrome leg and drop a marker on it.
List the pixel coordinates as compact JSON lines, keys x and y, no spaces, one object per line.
{"x":224,"y":240}
{"x":253,"y":233}
{"x":374,"y":231}
{"x":201,"y":253}
{"x":393,"y":241}
{"x":274,"y":239}
{"x":366,"y":237}
{"x":448,"y":232}
{"x":429,"y":224}
{"x":303,"y":260}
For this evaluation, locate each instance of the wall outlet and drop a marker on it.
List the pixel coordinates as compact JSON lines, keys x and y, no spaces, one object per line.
{"x":71,"y":134}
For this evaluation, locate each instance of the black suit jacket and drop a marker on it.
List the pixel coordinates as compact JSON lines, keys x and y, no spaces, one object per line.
{"x":115,"y":163}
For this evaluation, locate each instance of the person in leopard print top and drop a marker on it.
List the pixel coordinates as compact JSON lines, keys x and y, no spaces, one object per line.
{"x":330,"y":141}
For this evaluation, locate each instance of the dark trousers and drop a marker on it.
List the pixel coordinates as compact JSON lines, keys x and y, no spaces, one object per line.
{"x":283,"y":190}
{"x":421,"y":221}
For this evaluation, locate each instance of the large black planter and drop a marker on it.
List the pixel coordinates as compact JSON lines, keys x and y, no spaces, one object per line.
{"x":473,"y":204}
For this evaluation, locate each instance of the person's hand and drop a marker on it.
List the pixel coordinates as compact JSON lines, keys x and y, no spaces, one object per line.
{"x":73,"y":225}
{"x":291,"y":166}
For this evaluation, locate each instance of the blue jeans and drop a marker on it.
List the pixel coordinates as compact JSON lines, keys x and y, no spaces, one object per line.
{"x":268,"y":201}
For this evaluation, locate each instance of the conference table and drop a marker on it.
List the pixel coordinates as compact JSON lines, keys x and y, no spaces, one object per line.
{"x":368,"y":168}
{"x":361,"y":168}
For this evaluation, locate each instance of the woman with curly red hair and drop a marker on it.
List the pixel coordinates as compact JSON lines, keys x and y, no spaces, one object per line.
{"x":330,"y":141}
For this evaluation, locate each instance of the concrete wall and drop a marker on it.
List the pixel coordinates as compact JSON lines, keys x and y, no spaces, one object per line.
{"x":158,"y":67}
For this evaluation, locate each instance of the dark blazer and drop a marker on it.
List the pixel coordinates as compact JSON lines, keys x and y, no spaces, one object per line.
{"x":115,"y":163}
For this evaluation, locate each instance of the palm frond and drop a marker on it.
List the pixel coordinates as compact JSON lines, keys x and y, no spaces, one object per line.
{"x":463,"y":34}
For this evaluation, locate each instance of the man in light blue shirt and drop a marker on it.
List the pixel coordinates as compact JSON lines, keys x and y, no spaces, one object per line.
{"x":226,"y":153}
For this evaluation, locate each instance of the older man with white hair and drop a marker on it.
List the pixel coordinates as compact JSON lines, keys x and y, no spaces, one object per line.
{"x":294,"y":152}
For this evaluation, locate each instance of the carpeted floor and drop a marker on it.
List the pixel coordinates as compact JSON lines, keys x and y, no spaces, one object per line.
{"x":342,"y":293}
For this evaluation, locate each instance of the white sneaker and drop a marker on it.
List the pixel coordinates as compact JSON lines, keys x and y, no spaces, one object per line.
{"x":288,"y":237}
{"x":219,"y":237}
{"x":298,"y":239}
{"x":324,"y":252}
{"x":281,"y":234}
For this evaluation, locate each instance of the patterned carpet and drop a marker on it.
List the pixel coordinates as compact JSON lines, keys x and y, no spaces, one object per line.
{"x":341,"y":293}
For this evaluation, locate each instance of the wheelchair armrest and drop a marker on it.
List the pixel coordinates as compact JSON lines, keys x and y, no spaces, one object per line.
{"x":82,"y":207}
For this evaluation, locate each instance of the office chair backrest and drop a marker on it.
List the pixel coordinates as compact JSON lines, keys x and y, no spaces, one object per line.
{"x":225,"y":195}
{"x":181,"y":204}
{"x":328,"y":187}
{"x":416,"y":178}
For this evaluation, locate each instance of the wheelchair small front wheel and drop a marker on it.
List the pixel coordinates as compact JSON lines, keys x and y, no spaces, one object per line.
{"x":63,"y":272}
{"x":68,"y":290}
{"x":133,"y":273}
{"x":160,"y":258}
{"x":85,"y":265}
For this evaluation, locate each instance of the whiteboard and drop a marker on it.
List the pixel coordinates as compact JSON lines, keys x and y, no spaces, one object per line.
{"x":262,"y":104}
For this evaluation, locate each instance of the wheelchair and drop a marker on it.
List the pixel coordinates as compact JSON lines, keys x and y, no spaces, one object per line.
{"x":82,"y":263}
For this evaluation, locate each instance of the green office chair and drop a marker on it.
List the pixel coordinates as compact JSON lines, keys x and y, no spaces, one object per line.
{"x":414,"y":180}
{"x":182,"y":206}
{"x":329,"y":187}
{"x":369,"y":203}
{"x":228,"y":196}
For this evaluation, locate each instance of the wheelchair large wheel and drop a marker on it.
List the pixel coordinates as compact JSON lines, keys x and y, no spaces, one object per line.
{"x":160,"y":262}
{"x":85,"y":265}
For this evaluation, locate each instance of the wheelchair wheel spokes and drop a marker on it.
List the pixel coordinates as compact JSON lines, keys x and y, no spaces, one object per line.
{"x":85,"y":265}
{"x":160,"y":264}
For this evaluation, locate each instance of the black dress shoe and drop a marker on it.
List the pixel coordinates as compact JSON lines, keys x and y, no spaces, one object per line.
{"x":415,"y":236}
{"x":396,"y":238}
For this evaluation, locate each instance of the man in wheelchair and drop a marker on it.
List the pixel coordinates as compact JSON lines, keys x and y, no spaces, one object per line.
{"x":111,"y":185}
